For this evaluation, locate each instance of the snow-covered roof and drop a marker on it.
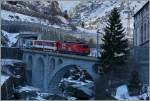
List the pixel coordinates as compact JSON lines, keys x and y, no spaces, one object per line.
{"x":147,"y":3}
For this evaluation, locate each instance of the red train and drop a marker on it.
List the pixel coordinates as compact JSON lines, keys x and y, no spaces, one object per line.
{"x":58,"y":46}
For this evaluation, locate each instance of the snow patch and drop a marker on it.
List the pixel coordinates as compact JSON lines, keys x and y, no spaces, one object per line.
{"x":118,"y":55}
{"x":9,"y":61}
{"x":12,"y":16}
{"x":121,"y":92}
{"x":94,"y":52}
{"x":28,"y":88}
{"x":87,"y":30}
{"x":63,"y":19}
{"x":68,"y":5}
{"x":12,"y":37}
{"x":4,"y":78}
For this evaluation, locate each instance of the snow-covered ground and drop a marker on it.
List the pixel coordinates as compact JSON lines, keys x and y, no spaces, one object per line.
{"x":77,"y":82}
{"x":27,"y":89}
{"x":123,"y":94}
{"x":9,"y":61}
{"x":12,"y":37}
{"x":12,"y":16}
{"x":68,"y":4}
{"x":80,"y":85}
{"x":87,"y":30}
{"x":4,"y":78}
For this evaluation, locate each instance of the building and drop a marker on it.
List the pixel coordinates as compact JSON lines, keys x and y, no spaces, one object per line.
{"x":141,"y":26}
{"x":141,"y":43}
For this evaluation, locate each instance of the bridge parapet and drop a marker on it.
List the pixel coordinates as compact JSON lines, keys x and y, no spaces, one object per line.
{"x":89,"y":58}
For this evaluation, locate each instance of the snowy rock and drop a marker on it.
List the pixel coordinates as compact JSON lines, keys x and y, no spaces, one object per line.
{"x":121,"y":92}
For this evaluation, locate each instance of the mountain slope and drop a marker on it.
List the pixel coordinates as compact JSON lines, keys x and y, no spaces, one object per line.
{"x":94,"y":13}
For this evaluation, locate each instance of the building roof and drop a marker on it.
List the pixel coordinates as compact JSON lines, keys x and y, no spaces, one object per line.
{"x":147,"y":3}
{"x":28,"y":35}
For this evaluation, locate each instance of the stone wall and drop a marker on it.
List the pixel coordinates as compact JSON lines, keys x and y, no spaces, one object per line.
{"x":11,"y":53}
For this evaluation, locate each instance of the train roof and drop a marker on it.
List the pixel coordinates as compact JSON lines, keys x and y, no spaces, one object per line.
{"x":82,"y":42}
{"x":45,"y":40}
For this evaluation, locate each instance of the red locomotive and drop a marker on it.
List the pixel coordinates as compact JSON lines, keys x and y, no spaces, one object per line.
{"x":58,"y":46}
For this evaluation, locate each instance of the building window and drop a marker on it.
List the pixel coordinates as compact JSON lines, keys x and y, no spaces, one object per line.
{"x":141,"y":35}
{"x":148,"y":31}
{"x":135,"y":37}
{"x":145,"y":32}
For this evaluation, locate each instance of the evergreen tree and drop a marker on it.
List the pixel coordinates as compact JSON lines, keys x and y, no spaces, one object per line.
{"x":114,"y":47}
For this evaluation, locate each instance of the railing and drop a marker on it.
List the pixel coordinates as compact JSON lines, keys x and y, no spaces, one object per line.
{"x":61,"y":55}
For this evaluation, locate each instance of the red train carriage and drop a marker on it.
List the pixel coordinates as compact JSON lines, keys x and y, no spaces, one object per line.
{"x":41,"y":45}
{"x":73,"y":48}
{"x":62,"y":47}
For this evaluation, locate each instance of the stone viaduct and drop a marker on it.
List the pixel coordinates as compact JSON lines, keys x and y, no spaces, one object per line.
{"x":46,"y":69}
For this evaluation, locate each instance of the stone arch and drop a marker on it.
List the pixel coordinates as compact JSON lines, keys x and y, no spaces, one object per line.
{"x":29,"y":69}
{"x":56,"y":78}
{"x":38,"y":79}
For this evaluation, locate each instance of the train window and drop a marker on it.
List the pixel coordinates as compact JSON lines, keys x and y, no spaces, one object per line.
{"x":50,"y":43}
{"x":38,"y":42}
